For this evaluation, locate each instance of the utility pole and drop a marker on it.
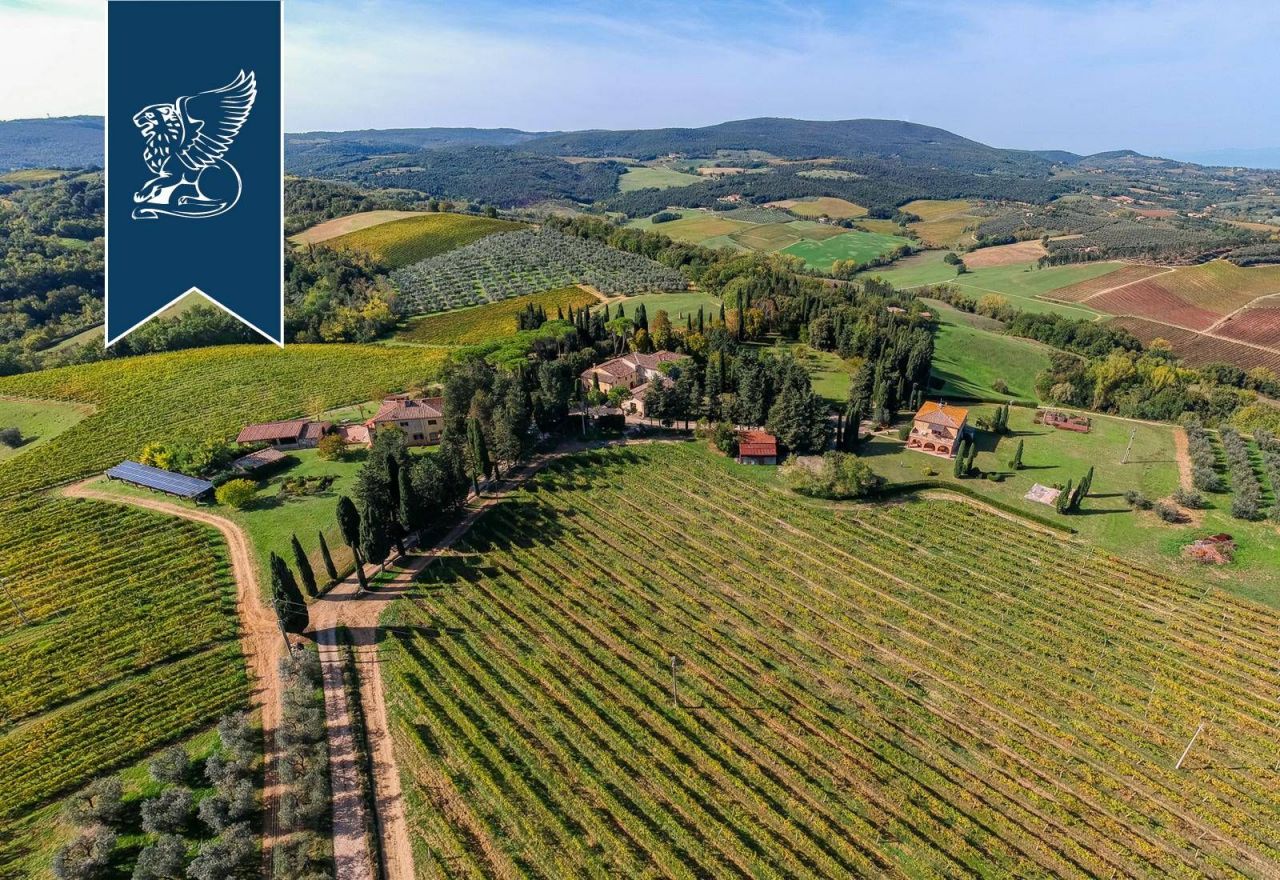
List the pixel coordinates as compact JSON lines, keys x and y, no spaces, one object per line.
{"x":1129,"y":448}
{"x":275,"y":604}
{"x":675,"y":696}
{"x":1187,"y":750}
{"x":4,"y":583}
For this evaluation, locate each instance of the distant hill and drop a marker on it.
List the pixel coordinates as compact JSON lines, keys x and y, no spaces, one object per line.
{"x":796,"y":139}
{"x":313,"y":152}
{"x":58,"y":142}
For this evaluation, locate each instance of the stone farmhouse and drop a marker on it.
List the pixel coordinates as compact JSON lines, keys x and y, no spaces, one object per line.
{"x":635,"y":372}
{"x":421,"y":419}
{"x":937,"y":429}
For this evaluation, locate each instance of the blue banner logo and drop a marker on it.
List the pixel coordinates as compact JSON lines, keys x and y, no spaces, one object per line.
{"x":195,"y":165}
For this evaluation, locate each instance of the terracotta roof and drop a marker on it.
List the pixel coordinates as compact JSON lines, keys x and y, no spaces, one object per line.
{"x":255,"y":460}
{"x":353,"y":434}
{"x":621,"y":367}
{"x":757,"y":444}
{"x":268,"y":431}
{"x":396,"y":409}
{"x":941,"y":414}
{"x":315,"y":430}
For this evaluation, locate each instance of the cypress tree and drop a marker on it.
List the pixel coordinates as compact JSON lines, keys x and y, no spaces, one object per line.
{"x":958,"y":468}
{"x":329,"y":567}
{"x":304,"y":568}
{"x":289,"y":604}
{"x":700,"y":319}
{"x":349,"y":524}
{"x":1064,"y":498}
{"x":1016,"y":464}
{"x":973,"y":455}
{"x":722,"y":320}
{"x":478,"y":453}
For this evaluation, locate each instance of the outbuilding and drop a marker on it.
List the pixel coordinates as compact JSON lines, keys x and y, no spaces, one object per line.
{"x":757,"y":447}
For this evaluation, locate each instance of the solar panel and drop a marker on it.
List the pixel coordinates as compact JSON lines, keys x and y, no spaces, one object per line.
{"x":159,"y":479}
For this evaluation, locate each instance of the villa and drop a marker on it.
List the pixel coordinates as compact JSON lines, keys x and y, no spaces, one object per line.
{"x":937,"y":429}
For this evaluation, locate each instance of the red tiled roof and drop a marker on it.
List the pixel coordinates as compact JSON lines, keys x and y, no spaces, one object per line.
{"x":396,"y":409}
{"x":621,"y":367}
{"x":268,"y":431}
{"x":942,"y":414}
{"x":353,"y":434}
{"x":757,"y":444}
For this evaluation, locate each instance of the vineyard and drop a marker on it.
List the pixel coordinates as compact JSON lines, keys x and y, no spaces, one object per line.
{"x":511,"y":264}
{"x":118,"y":626}
{"x":920,"y":689}
{"x":492,"y":321}
{"x":1126,"y":274}
{"x":1197,"y":348}
{"x":1148,"y":299}
{"x":1259,"y":326}
{"x":402,"y":242}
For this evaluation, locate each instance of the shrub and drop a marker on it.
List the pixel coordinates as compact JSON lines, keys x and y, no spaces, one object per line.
{"x":1190,"y":499}
{"x":904,"y":432}
{"x":237,"y":493}
{"x":86,"y":857}
{"x":171,"y":765}
{"x":11,"y":437}
{"x":664,"y":217}
{"x":168,"y":812}
{"x":840,"y":476}
{"x":1137,"y":500}
{"x":1246,"y":507}
{"x":1000,"y":386}
{"x":100,"y":803}
{"x":163,"y":860}
{"x":1168,"y":513}
{"x":331,"y":447}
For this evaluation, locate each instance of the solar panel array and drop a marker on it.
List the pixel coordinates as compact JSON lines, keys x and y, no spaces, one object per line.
{"x":159,"y":479}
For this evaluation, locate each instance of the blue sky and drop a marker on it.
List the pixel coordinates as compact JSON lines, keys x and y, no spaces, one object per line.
{"x":1173,"y":77}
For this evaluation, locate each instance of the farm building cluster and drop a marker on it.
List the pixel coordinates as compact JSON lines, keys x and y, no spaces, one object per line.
{"x":420,"y":419}
{"x":634,"y":372}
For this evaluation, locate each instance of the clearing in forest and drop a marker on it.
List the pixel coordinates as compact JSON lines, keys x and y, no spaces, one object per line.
{"x":646,"y":662}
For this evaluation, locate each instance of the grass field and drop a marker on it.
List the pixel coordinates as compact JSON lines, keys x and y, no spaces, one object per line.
{"x":693,"y":226}
{"x":152,"y":594}
{"x":677,"y":305}
{"x":1021,"y":284}
{"x":490,"y":321}
{"x":400,"y":242}
{"x":944,"y":223}
{"x":30,"y":175}
{"x":350,"y":223}
{"x":967,"y":360}
{"x":857,"y":246}
{"x":642,"y":177}
{"x":1053,"y":456}
{"x":822,"y":206}
{"x":860,"y":691}
{"x":38,"y":420}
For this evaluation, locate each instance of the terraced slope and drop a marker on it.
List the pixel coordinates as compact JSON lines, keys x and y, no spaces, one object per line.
{"x":919,"y":690}
{"x":118,"y":626}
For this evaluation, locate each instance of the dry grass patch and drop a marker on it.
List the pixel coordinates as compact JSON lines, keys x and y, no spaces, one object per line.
{"x":1005,"y":254}
{"x":350,"y":223}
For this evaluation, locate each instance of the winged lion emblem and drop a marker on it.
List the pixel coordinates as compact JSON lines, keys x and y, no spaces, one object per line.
{"x":186,"y":146}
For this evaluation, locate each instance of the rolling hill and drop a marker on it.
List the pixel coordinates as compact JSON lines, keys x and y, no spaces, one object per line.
{"x":61,"y":142}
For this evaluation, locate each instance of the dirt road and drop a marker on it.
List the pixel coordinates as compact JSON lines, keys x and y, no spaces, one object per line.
{"x":259,"y":638}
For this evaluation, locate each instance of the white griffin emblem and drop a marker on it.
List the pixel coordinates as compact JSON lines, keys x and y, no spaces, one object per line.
{"x":186,"y":144}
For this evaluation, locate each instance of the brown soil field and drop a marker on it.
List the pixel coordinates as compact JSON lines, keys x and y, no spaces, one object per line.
{"x":350,"y":223}
{"x":1093,"y":286}
{"x":1005,"y":255}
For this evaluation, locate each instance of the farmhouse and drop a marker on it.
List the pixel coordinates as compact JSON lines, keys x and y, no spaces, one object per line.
{"x":291,"y":434}
{"x":629,"y":371}
{"x":757,"y":447}
{"x":634,"y":405}
{"x":937,"y":429}
{"x":421,"y":419}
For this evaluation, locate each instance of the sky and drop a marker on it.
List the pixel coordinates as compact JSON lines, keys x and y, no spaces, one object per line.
{"x":1179,"y":78}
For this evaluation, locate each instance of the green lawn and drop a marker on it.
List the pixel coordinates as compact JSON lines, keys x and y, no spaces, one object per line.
{"x":38,"y":420}
{"x":677,"y":304}
{"x":857,"y":246}
{"x":967,"y":359}
{"x":1052,"y":456}
{"x":829,"y":373}
{"x":1021,"y":283}
{"x":642,"y":177}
